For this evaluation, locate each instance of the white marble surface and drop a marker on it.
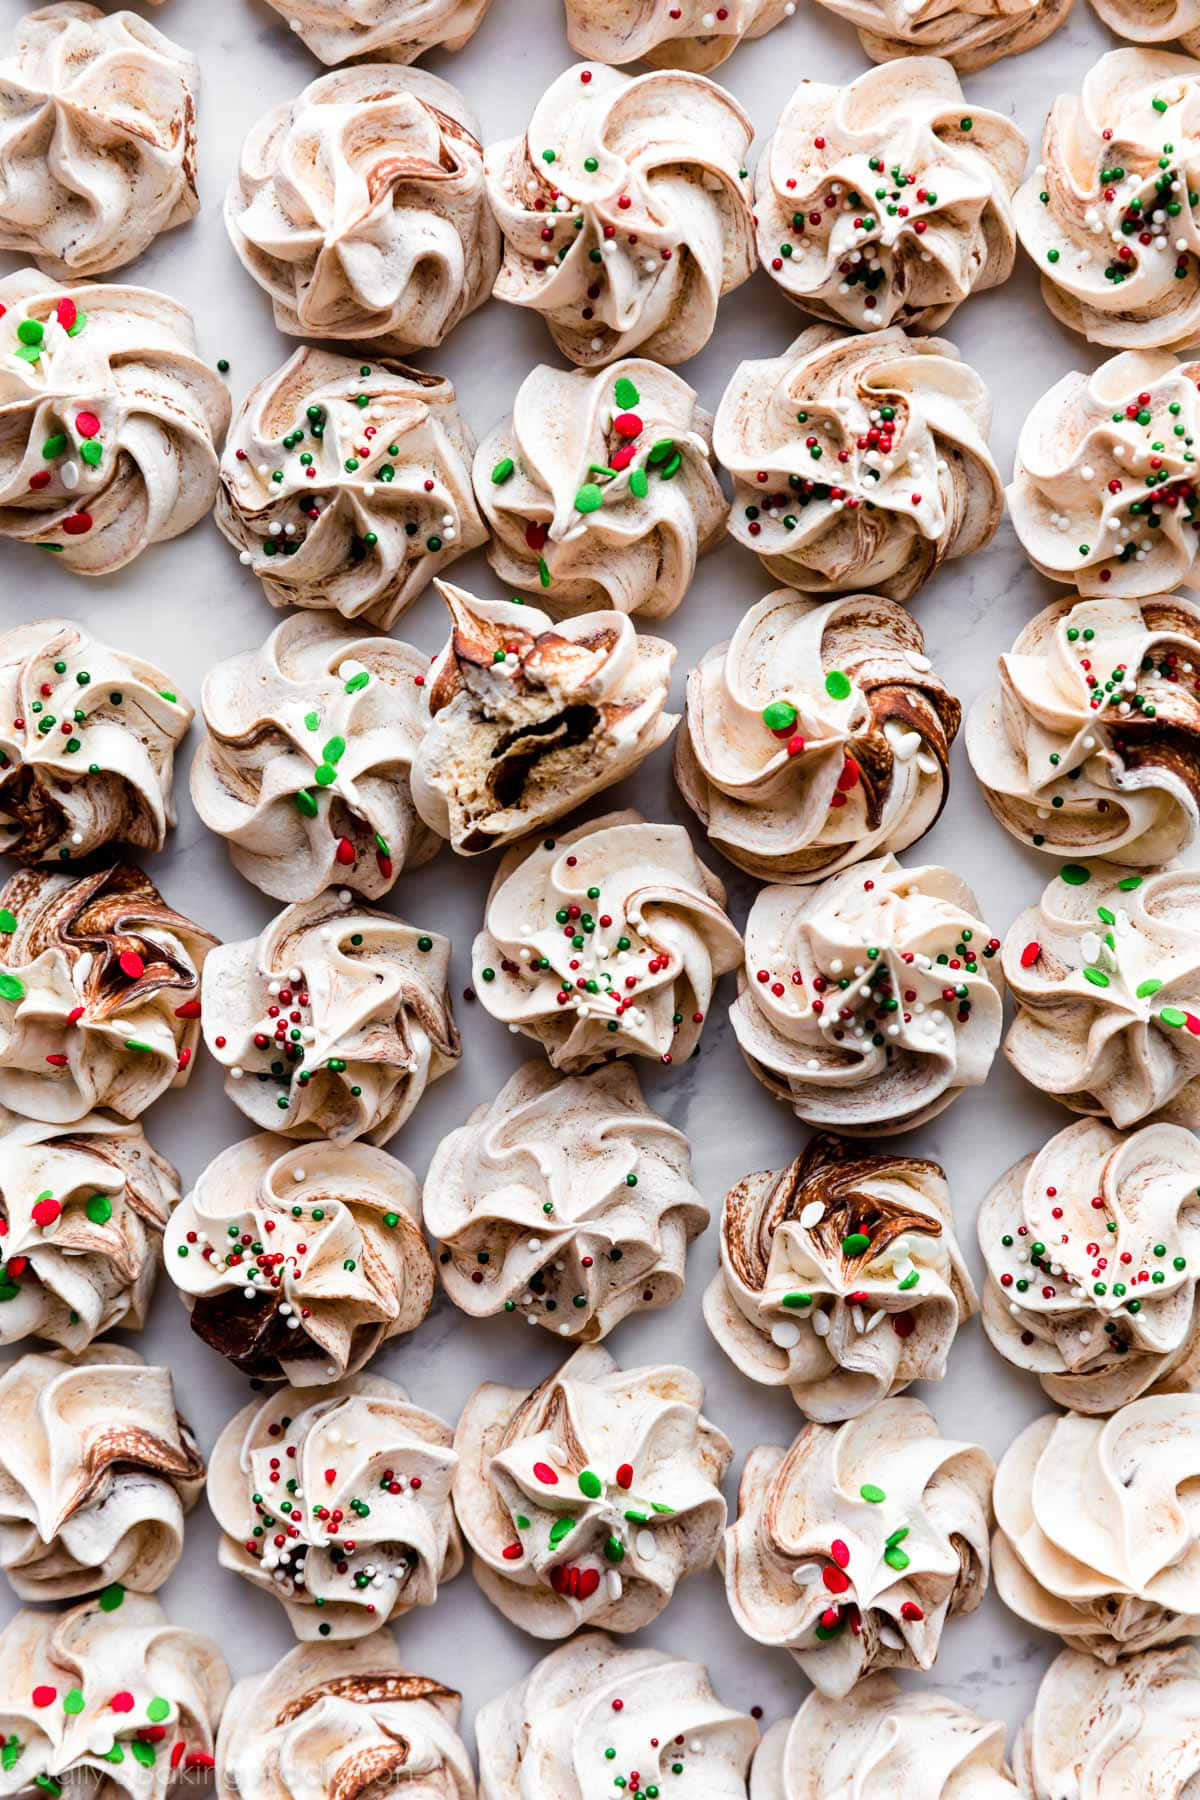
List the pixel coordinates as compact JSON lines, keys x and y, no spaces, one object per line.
{"x":188,"y":604}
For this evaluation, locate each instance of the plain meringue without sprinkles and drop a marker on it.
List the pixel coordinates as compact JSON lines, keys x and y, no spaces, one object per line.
{"x":1162,"y":22}
{"x":398,"y":31}
{"x":692,"y":35}
{"x":1112,"y":1732}
{"x":968,"y":33}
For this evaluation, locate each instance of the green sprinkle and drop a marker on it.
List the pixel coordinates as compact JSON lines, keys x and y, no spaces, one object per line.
{"x":1074,"y":874}
{"x":1171,"y":1015}
{"x":8,"y":921}
{"x":306,"y":803}
{"x":590,"y":1484}
{"x":855,"y":1243}
{"x":559,"y":1530}
{"x":874,"y":1496}
{"x":1097,"y":977}
{"x":590,"y":498}
{"x":99,"y":1209}
{"x":11,"y":986}
{"x":796,"y":1300}
{"x":1148,"y":987}
{"x":625,"y":394}
{"x":780,"y":715}
{"x":837,"y":685}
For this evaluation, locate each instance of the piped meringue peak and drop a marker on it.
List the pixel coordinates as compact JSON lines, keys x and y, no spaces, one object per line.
{"x":968,"y":35}
{"x":1113,"y":1732}
{"x":398,"y":31}
{"x":693,"y":35}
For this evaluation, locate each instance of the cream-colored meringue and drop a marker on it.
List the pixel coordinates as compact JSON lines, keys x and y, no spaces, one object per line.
{"x":371,"y":1466}
{"x":591,"y":1712}
{"x":306,"y":766}
{"x":841,"y":1277}
{"x":926,"y":491}
{"x":915,"y":1024}
{"x":97,"y":1470}
{"x":364,"y":524}
{"x":336,"y":1266}
{"x":691,"y":35}
{"x":652,"y":966}
{"x":1075,"y":761}
{"x":99,"y":993}
{"x":817,"y":736}
{"x":109,"y":421}
{"x":566,"y":1200}
{"x":1098,"y":1532}
{"x":588,"y":1498}
{"x":386,"y":30}
{"x":1110,"y":1733}
{"x":853,"y":1548}
{"x":1154,"y":21}
{"x":529,"y":719}
{"x":97,"y":138}
{"x":968,"y":33}
{"x":375,"y":1023}
{"x":625,"y":212}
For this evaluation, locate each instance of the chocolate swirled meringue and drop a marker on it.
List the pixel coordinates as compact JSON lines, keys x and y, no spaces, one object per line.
{"x":370,"y":1466}
{"x":297,"y":1262}
{"x":592,"y":1710}
{"x":97,"y":138}
{"x":1097,"y":1537}
{"x":306,"y":768}
{"x":529,"y":719}
{"x":588,"y":1498}
{"x":917,"y":488}
{"x":625,"y":212}
{"x":969,"y":35}
{"x":374,"y":1025}
{"x":855,"y":1547}
{"x":97,"y":1470}
{"x":841,"y":1278}
{"x":83,"y":1210}
{"x":692,"y":35}
{"x":632,"y":971}
{"x":373,"y":500}
{"x":938,"y":225}
{"x":1113,"y":1732}
{"x":817,"y":736}
{"x":397,"y":31}
{"x":99,"y":993}
{"x":1163,"y":22}
{"x":1087,"y":744}
{"x":870,"y":1002}
{"x":600,"y":489}
{"x":109,"y":421}
{"x":566,"y":1200}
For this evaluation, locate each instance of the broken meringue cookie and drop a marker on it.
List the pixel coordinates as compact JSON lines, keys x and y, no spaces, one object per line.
{"x":968,"y":33}
{"x":1104,"y":1731}
{"x":397,"y":31}
{"x":692,"y":35}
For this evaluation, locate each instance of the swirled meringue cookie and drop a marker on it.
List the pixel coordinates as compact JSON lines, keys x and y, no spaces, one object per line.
{"x":109,"y":421}
{"x":97,"y":138}
{"x":360,"y":208}
{"x":99,"y":993}
{"x":387,"y":30}
{"x":606,"y":941}
{"x":530,"y":719}
{"x":1162,"y":22}
{"x":600,"y":489}
{"x":841,"y":1278}
{"x":588,"y":1498}
{"x":968,"y":35}
{"x":693,"y":35}
{"x":370,"y":1466}
{"x":1112,"y":1732}
{"x":917,"y":488}
{"x":1085,"y":745}
{"x":298,"y":1262}
{"x":97,"y":1471}
{"x":853,"y":1548}
{"x":872,"y":1001}
{"x":940,"y":227}
{"x":591,"y":1711}
{"x":818,"y":735}
{"x":1097,"y":1533}
{"x":625,"y":212}
{"x":83,"y":1211}
{"x":566,"y":1200}
{"x":373,"y":500}
{"x":306,"y":766}
{"x":374,"y":1024}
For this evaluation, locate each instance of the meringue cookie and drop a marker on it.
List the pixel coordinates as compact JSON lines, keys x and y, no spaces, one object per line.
{"x":881,"y":1522}
{"x":358,"y":525}
{"x":924,"y":490}
{"x":570,"y":1198}
{"x":841,"y":1277}
{"x":1113,"y":1732}
{"x":99,"y":993}
{"x":390,"y":30}
{"x":895,"y":259}
{"x":360,"y":208}
{"x":625,"y":212}
{"x":84,"y":1210}
{"x":870,"y":1002}
{"x":306,"y":766}
{"x":298,"y":1262}
{"x":692,"y":35}
{"x":109,"y":421}
{"x":817,"y":736}
{"x":97,"y":1470}
{"x":1072,"y":766}
{"x":968,"y":33}
{"x":1097,"y":1534}
{"x":1105,"y":971}
{"x":97,"y":138}
{"x":587,"y":1499}
{"x":638,"y":973}
{"x":530,"y":719}
{"x":360,"y":1451}
{"x":375,"y":1023}
{"x":591,"y":1711}
{"x":1159,"y":23}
